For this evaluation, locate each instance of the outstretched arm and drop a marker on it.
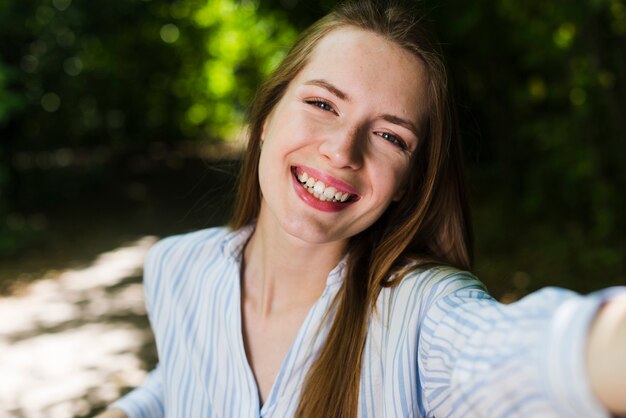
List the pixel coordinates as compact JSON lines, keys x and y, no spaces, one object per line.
{"x":529,"y":358}
{"x":606,"y":355}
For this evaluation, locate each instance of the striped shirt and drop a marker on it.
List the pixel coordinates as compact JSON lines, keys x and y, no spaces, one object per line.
{"x":438,"y":344}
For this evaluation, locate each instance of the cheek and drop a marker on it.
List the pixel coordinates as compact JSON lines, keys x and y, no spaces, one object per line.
{"x":269,"y":161}
{"x":291,"y":134}
{"x":391,"y":175}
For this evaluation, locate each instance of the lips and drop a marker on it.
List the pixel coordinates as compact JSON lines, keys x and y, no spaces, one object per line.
{"x":322,"y":191}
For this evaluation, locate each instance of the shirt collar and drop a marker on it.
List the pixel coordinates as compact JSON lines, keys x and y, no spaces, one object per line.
{"x":234,"y":242}
{"x":336,"y":274}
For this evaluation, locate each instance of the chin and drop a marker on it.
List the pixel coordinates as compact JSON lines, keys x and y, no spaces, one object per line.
{"x":312,"y":232}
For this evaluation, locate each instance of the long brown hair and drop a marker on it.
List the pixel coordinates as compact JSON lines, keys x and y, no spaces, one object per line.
{"x":429,"y":225}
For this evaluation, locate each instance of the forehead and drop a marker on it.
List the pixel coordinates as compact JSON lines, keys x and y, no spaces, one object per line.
{"x":370,"y":68}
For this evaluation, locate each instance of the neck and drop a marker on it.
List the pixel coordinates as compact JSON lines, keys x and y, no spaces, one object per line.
{"x":282,"y":272}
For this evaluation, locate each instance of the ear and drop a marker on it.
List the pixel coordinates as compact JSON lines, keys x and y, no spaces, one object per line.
{"x":263,"y":129}
{"x":265,"y":126}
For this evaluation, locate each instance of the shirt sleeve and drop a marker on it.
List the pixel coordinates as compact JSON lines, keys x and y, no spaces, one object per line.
{"x":480,"y":358}
{"x":146,"y":401}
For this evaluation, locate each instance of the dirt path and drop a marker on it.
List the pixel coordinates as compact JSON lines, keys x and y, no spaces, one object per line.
{"x":73,"y":331}
{"x":72,"y":343}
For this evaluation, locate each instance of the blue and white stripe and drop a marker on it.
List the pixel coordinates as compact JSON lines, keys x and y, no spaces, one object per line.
{"x":438,"y":344}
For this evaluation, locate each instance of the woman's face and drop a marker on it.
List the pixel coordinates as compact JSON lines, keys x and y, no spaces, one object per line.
{"x":338,"y":146}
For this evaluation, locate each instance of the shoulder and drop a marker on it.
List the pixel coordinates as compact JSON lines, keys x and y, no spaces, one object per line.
{"x":401,"y":310}
{"x":439,"y":281}
{"x":172,"y":255}
{"x":172,"y":247}
{"x":422,"y":287}
{"x":177,"y":259}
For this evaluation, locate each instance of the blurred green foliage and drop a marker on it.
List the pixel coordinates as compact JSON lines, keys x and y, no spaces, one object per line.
{"x":540,"y":86}
{"x":542,"y":91}
{"x":9,"y":103}
{"x":136,"y":70}
{"x":96,"y":81}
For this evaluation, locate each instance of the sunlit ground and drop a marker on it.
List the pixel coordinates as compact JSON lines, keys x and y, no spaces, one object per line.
{"x":73,"y":331}
{"x":75,"y":342}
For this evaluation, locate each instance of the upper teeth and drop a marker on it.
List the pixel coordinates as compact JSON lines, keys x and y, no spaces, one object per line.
{"x":320,"y":191}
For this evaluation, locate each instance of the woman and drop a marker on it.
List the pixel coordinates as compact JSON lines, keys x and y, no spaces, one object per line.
{"x":338,"y":290}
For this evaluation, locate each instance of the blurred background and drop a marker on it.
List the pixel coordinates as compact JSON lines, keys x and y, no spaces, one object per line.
{"x":121,"y":122}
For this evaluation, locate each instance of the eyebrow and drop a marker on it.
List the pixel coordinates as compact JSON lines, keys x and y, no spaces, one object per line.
{"x":328,"y":86}
{"x":401,"y":122}
{"x":344,"y":96}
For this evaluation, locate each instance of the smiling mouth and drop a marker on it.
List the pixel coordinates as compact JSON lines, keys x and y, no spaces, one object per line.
{"x":321,"y":191}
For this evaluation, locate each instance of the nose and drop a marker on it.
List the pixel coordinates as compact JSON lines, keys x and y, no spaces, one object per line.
{"x":344,"y":150}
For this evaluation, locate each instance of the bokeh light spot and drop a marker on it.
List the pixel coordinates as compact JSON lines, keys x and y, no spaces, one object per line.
{"x":537,"y":88}
{"x":606,"y":79}
{"x":50,"y":102}
{"x":63,"y":157}
{"x":65,"y":37}
{"x":44,"y":14}
{"x":115,"y":119}
{"x":170,"y":33}
{"x":220,"y":78}
{"x":564,"y":35}
{"x":61,"y":4}
{"x":73,"y":66}
{"x":197,"y":114}
{"x":618,"y":10}
{"x":578,"y":96}
{"x":15,"y":221}
{"x":38,"y":47}
{"x":29,"y":63}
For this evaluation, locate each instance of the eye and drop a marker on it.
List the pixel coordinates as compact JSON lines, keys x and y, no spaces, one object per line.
{"x":393,"y":139}
{"x":322,"y":104}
